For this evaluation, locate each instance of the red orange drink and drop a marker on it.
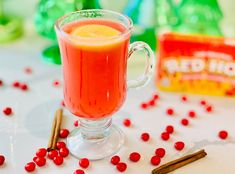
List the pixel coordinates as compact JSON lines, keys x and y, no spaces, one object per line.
{"x":94,"y":73}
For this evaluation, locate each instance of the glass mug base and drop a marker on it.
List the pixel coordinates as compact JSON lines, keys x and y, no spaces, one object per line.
{"x":104,"y":143}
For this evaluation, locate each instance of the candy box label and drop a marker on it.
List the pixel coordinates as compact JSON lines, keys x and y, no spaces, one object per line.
{"x":196,"y":64}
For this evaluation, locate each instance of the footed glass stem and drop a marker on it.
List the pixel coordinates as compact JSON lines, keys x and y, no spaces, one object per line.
{"x":95,"y":140}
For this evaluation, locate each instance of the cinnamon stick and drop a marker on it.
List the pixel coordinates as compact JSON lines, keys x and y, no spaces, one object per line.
{"x":55,"y":129}
{"x":180,"y":162}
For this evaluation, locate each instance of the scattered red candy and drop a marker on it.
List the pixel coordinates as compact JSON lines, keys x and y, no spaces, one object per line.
{"x":184,"y":122}
{"x":40,"y":161}
{"x":144,"y":105}
{"x":60,"y":144}
{"x":64,"y":152}
{"x":184,"y":98}
{"x":170,"y":111}
{"x":152,"y":102}
{"x":145,"y":136}
{"x":191,"y":114}
{"x":76,"y":123}
{"x":58,"y":160}
{"x":84,"y":162}
{"x":127,"y":122}
{"x":160,"y":152}
{"x":134,"y":156}
{"x":165,"y":136}
{"x":179,"y":145}
{"x":2,"y":160}
{"x":169,"y":129}
{"x":203,"y":102}
{"x":7,"y":111}
{"x":115,"y":160}
{"x":121,"y":167}
{"x":209,"y":108}
{"x":56,"y":83}
{"x":155,"y":96}
{"x":24,"y":87}
{"x":155,"y":160}
{"x":62,"y":103}
{"x":16,"y":84}
{"x":28,"y":70}
{"x":52,"y":154}
{"x":41,"y":152}
{"x":223,"y":134}
{"x":29,"y":167}
{"x":79,"y":171}
{"x":64,"y":133}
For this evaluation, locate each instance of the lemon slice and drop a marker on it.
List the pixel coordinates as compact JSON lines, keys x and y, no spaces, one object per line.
{"x":95,"y":31}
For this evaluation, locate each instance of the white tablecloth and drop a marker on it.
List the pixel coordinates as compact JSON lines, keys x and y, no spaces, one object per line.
{"x":29,"y":127}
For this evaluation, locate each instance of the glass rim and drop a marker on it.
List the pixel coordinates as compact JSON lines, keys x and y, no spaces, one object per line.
{"x":64,"y":34}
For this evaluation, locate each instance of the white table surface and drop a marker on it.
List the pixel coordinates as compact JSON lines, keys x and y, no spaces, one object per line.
{"x":29,"y":127}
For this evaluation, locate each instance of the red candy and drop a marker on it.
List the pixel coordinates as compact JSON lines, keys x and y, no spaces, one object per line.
{"x":1,"y":82}
{"x":115,"y":160}
{"x":7,"y":111}
{"x":169,"y":129}
{"x":76,"y":123}
{"x":64,"y":133}
{"x":84,"y":162}
{"x":16,"y":84}
{"x":79,"y":171}
{"x":145,"y":136}
{"x":191,"y":114}
{"x":41,"y":152}
{"x":56,"y":83}
{"x":29,"y":167}
{"x":160,"y":152}
{"x":121,"y":167}
{"x":52,"y":154}
{"x":165,"y":136}
{"x":179,"y":145}
{"x":58,"y":160}
{"x":62,"y":103}
{"x":24,"y":87}
{"x":144,"y":105}
{"x":134,"y":156}
{"x":60,"y":144}
{"x":40,"y":161}
{"x":155,"y":160}
{"x":155,"y":96}
{"x":127,"y":122}
{"x":184,"y":122}
{"x":28,"y":70}
{"x":209,"y":108}
{"x":64,"y":152}
{"x":2,"y":160}
{"x":223,"y":134}
{"x":203,"y":102}
{"x":152,"y":102}
{"x":170,"y":111}
{"x":184,"y":98}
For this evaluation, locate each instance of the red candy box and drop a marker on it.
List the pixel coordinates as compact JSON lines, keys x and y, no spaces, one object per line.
{"x":196,"y":64}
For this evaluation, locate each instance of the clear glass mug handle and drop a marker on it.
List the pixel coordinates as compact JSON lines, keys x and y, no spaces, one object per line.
{"x":143,"y":79}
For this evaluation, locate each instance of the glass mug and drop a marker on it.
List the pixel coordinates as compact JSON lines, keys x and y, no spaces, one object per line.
{"x":94,"y":45}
